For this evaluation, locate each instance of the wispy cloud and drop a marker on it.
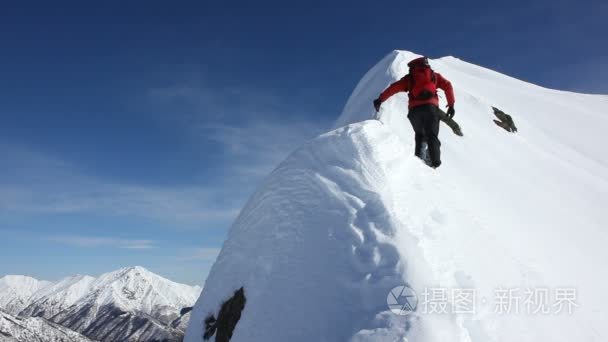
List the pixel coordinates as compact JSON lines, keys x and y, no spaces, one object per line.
{"x":235,"y":136}
{"x":200,"y":254}
{"x":253,"y":128}
{"x":96,"y":241}
{"x":125,"y":200}
{"x":34,"y":183}
{"x":254,"y":131}
{"x":255,"y":148}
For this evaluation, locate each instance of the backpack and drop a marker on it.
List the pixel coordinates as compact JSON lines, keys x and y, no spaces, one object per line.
{"x":422,"y":80}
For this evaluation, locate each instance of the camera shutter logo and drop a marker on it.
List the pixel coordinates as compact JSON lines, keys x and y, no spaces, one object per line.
{"x":402,"y":300}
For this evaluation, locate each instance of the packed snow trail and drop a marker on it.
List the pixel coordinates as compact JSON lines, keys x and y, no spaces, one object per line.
{"x":352,"y":214}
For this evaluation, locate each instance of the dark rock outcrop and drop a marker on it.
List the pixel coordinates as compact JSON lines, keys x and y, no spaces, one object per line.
{"x":228,"y":317}
{"x":505,"y":121}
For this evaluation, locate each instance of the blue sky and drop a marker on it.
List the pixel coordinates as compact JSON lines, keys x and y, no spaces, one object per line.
{"x":132,"y":132}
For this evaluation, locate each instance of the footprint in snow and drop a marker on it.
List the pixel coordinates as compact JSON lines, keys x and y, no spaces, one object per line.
{"x":464,"y":280}
{"x":429,"y":231}
{"x":438,"y":216}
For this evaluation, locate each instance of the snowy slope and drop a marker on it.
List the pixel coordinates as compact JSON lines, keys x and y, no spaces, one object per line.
{"x":352,"y":214}
{"x":34,"y":329}
{"x":59,"y":296}
{"x":16,"y":290}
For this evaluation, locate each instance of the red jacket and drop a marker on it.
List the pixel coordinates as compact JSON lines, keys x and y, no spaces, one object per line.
{"x":404,"y":85}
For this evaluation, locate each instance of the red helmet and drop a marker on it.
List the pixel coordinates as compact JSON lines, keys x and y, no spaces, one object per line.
{"x":420,"y":61}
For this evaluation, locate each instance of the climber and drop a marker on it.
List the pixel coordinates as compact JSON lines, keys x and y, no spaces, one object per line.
{"x":422,"y":82}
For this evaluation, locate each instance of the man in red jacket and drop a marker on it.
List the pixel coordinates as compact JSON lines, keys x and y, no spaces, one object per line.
{"x":421,"y":83}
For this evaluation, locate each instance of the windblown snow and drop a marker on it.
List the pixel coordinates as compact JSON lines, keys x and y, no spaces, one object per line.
{"x":352,"y":214}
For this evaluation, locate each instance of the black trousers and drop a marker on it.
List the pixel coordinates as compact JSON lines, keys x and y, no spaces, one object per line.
{"x":425,"y":121}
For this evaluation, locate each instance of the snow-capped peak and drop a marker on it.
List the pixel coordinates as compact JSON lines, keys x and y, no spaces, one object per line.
{"x":52,"y":299}
{"x":136,"y":288}
{"x":73,"y":287}
{"x":133,"y":296}
{"x":16,"y":291}
{"x":24,"y":284}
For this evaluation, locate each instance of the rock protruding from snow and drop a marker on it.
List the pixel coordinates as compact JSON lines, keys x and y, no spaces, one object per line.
{"x":35,"y":329}
{"x":181,"y":323}
{"x":16,"y":291}
{"x":353,"y":213}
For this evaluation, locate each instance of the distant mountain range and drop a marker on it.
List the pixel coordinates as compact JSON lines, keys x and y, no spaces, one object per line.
{"x":130,"y":304}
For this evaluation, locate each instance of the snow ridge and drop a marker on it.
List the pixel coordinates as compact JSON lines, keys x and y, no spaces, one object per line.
{"x":15,"y":291}
{"x":54,"y":298}
{"x":352,"y":214}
